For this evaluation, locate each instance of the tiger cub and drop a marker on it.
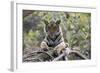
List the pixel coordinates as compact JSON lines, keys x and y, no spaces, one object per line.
{"x":54,"y":37}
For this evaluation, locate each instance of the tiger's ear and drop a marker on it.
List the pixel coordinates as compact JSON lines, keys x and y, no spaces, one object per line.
{"x":58,"y":22}
{"x":46,"y":22}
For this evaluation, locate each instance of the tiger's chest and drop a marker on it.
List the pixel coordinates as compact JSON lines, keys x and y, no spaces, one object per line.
{"x":54,"y":40}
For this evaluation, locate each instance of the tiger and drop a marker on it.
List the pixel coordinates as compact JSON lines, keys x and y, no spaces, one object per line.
{"x":54,"y":37}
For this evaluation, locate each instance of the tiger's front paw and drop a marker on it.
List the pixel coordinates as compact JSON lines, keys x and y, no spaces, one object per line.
{"x":57,"y":51}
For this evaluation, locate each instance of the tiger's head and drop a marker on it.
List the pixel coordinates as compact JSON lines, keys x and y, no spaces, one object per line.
{"x":52,"y":27}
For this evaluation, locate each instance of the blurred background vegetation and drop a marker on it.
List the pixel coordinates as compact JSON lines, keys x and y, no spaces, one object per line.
{"x":76,"y":27}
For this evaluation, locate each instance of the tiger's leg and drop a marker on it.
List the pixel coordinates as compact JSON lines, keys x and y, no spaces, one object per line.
{"x":60,"y":47}
{"x":44,"y":46}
